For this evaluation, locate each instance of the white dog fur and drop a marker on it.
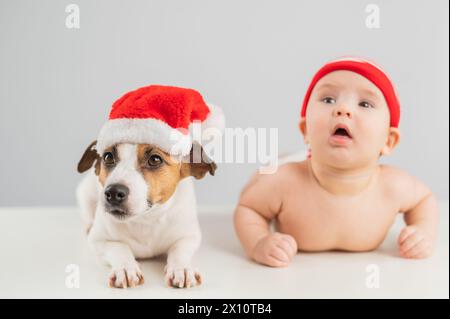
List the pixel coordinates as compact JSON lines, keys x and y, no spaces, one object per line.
{"x":171,"y":227}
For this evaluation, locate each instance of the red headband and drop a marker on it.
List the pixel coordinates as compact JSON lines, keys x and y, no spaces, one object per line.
{"x":368,"y":70}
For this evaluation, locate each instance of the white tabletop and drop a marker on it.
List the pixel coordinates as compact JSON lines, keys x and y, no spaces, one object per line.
{"x":38,"y":244}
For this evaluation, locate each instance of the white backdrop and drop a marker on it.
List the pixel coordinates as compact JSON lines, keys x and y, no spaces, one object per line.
{"x":253,"y":58}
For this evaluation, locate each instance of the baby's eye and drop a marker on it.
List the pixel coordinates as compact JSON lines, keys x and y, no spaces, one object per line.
{"x":365,"y":104}
{"x":329,"y":100}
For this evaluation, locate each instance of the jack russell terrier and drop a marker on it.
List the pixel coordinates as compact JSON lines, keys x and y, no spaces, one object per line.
{"x":138,"y":200}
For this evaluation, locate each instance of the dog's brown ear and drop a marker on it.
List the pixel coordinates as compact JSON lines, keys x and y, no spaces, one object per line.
{"x":197,"y":163}
{"x":87,"y":160}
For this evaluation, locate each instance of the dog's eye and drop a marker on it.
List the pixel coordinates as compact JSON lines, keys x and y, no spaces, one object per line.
{"x":154,"y":160}
{"x":108,"y":158}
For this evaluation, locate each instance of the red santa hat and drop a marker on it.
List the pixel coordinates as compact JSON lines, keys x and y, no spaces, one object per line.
{"x":368,"y":70}
{"x":158,"y":115}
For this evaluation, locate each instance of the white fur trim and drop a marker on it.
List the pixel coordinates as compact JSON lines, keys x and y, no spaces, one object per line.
{"x":143,"y":131}
{"x":212,"y":129}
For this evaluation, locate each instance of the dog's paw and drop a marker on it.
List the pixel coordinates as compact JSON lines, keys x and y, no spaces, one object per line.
{"x":182,"y":277}
{"x":126,"y":276}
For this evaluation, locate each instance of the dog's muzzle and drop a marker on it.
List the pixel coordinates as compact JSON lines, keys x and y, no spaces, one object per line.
{"x":116,"y":194}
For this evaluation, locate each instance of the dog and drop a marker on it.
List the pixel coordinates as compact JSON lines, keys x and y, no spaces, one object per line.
{"x":138,"y":201}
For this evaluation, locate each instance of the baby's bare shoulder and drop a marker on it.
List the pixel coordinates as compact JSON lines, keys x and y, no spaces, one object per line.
{"x":402,"y":185}
{"x":284,"y":176}
{"x":296,"y":167}
{"x":265,"y":193}
{"x":394,"y":177}
{"x":293,"y":172}
{"x":389,"y":171}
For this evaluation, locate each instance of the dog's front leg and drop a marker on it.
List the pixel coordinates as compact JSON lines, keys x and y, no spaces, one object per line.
{"x":178,"y":271}
{"x":125,"y":271}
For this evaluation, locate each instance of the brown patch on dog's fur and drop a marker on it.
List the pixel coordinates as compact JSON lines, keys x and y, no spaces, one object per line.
{"x":163,"y":180}
{"x":98,"y":165}
{"x":103,"y":170}
{"x":103,"y":175}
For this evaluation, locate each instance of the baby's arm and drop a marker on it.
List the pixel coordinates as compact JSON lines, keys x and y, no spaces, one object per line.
{"x":259,"y":203}
{"x":421,"y":215}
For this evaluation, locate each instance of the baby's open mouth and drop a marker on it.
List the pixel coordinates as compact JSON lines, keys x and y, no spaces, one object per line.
{"x":341,"y":135}
{"x":340,"y":131}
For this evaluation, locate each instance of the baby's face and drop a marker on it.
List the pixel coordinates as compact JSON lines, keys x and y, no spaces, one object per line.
{"x":347,"y":100}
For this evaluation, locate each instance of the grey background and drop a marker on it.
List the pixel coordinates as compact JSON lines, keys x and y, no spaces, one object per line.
{"x":253,"y":58}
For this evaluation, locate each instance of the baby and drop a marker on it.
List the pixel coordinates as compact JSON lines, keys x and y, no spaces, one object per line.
{"x":339,"y":198}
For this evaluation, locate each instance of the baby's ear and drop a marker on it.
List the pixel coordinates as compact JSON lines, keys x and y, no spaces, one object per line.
{"x":391,"y":142}
{"x":302,"y":127}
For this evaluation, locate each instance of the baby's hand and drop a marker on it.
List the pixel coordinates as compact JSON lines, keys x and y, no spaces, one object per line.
{"x":275,"y":250}
{"x":413,"y":242}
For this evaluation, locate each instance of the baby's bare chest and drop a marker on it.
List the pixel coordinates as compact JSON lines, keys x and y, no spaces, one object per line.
{"x":322,"y":222}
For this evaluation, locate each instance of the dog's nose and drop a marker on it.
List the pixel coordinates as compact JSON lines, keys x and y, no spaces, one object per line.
{"x":116,"y":194}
